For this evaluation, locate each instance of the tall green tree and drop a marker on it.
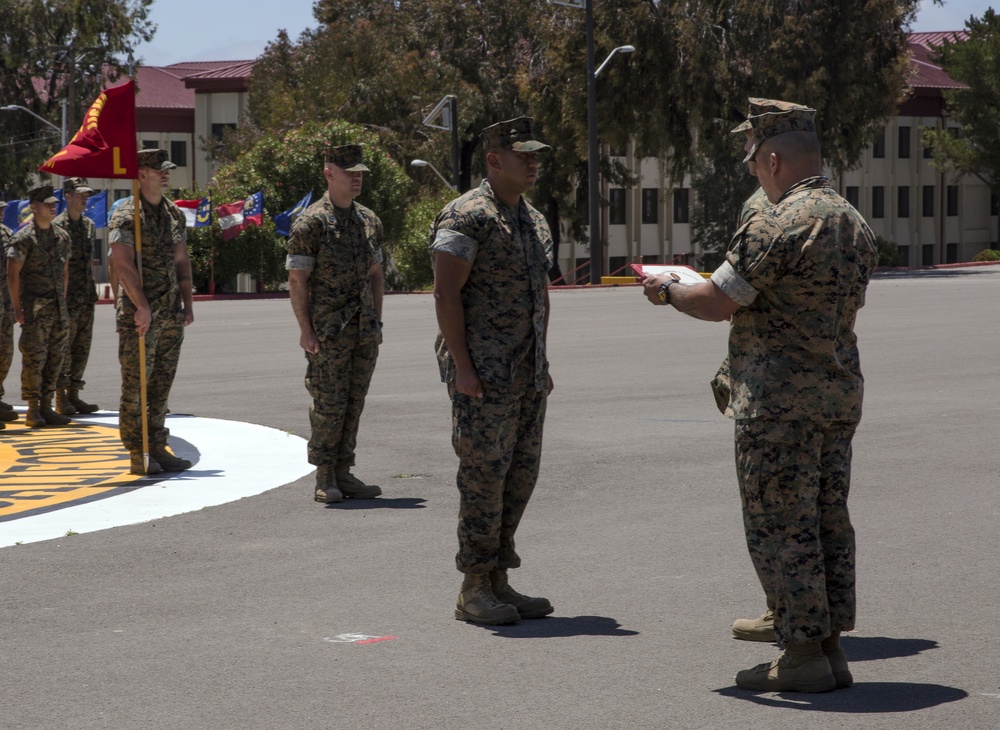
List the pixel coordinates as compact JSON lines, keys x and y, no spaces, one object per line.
{"x":56,"y":50}
{"x":384,"y":64}
{"x":975,"y":62}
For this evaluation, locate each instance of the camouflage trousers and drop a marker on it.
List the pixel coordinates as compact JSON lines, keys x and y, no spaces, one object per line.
{"x":6,"y":343}
{"x":498,"y":440}
{"x":337,"y":378}
{"x":42,"y":344}
{"x":81,"y":333}
{"x":794,"y":481}
{"x":163,"y":351}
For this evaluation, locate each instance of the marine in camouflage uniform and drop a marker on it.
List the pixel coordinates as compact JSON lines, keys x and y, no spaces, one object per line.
{"x":335,"y":280}
{"x":793,"y":281}
{"x":37,"y":267}
{"x":81,"y":296}
{"x":492,"y":253}
{"x":158,"y":307}
{"x":7,"y":412}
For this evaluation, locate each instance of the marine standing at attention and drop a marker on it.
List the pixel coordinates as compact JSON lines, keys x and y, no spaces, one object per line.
{"x":492,"y":253}
{"x":336,"y":285}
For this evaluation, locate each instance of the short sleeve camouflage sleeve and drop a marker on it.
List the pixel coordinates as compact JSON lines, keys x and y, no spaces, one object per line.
{"x":120,"y":226}
{"x":308,"y":231}
{"x":453,"y":234}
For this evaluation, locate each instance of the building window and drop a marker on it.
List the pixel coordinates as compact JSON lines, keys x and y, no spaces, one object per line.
{"x":903,"y":201}
{"x":928,"y":150}
{"x":150,"y":144}
{"x":927,"y":254}
{"x":878,"y":202}
{"x":952,"y":209}
{"x":904,"y":255}
{"x":681,"y":214}
{"x":618,"y":262}
{"x":928,"y":203}
{"x":650,"y":205}
{"x":951,"y":253}
{"x":122,"y":193}
{"x":851,"y":194}
{"x":993,"y":204}
{"x":904,"y":143}
{"x":616,"y":211}
{"x":179,"y":153}
{"x":219,"y":129}
{"x":878,"y":145}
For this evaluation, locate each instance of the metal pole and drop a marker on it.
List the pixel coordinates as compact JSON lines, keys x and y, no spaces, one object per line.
{"x":455,"y":172}
{"x":593,"y":193}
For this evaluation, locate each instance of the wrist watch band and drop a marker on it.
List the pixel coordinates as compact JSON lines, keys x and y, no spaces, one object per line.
{"x":665,"y":290}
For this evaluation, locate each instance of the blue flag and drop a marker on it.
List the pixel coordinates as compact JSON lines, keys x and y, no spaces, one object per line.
{"x":60,"y":200}
{"x":97,"y":209}
{"x":283,"y":221}
{"x":203,"y":214}
{"x":10,"y":214}
{"x":16,"y":214}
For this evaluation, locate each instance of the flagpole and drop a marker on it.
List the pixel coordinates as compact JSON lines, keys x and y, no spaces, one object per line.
{"x":211,"y":258}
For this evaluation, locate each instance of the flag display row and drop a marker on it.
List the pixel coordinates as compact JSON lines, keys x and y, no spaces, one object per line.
{"x":233,"y":218}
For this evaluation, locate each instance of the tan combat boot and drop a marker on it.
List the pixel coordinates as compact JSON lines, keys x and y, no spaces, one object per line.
{"x":351,"y":486}
{"x":51,"y":417}
{"x":326,"y":485}
{"x":81,"y":406}
{"x":33,"y":418}
{"x":802,"y":668}
{"x":476,"y":603}
{"x":838,"y":660}
{"x":136,"y":465}
{"x":166,"y":460}
{"x":63,"y":406}
{"x":755,"y":629}
{"x":527,"y":606}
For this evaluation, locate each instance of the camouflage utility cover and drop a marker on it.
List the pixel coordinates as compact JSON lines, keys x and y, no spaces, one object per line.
{"x":504,"y":298}
{"x":350,"y":157}
{"x":799,"y":269}
{"x":513,"y":134}
{"x":769,"y":118}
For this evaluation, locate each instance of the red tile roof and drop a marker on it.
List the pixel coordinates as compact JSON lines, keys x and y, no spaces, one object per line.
{"x":927,"y":74}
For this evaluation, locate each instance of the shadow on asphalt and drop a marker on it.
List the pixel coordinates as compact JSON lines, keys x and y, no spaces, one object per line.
{"x":867,"y":648}
{"x":930,"y":273}
{"x":381,"y":503}
{"x":561,"y":627}
{"x":862,"y":698}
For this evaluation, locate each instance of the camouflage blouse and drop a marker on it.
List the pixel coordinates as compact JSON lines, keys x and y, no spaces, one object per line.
{"x":504,"y":297}
{"x":799,"y":269}
{"x":163,"y":227}
{"x":83,"y":234}
{"x":43,"y":255}
{"x":339,"y":248}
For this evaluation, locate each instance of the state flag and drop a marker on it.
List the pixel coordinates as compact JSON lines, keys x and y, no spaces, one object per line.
{"x":198,"y":212}
{"x":234,"y":217}
{"x":17,"y":214}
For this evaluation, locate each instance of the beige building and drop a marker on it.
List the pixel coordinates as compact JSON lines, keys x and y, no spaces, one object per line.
{"x":931,"y":217}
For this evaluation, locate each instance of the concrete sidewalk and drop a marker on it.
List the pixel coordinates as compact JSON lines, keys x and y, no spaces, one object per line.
{"x":251,"y":614}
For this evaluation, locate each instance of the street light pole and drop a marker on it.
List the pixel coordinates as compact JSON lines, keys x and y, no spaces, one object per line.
{"x":593,"y":194}
{"x":62,"y":132}
{"x":425,"y":163}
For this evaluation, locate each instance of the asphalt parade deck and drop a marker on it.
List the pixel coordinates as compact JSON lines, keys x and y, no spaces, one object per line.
{"x":264,"y":609}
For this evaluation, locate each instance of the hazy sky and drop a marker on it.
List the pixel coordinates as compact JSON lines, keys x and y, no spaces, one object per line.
{"x":196,"y":30}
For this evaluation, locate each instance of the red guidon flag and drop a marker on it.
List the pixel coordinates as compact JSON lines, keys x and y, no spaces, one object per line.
{"x":105,"y":145}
